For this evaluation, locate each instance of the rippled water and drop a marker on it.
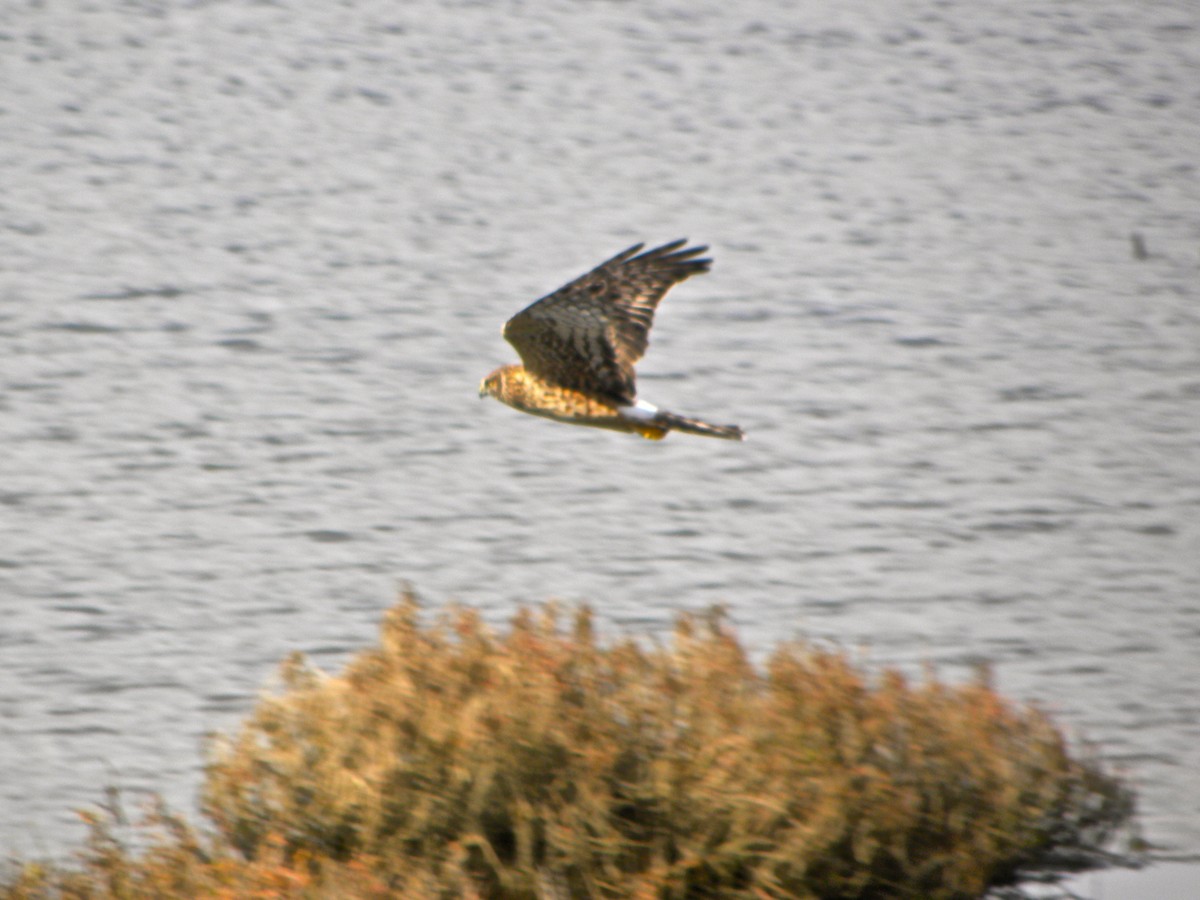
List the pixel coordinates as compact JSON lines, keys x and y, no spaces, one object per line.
{"x":254,"y":259}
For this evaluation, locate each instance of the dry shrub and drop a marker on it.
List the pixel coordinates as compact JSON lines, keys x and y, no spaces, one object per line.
{"x":452,"y":762}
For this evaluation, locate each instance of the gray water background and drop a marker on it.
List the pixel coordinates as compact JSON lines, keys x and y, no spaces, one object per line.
{"x":254,"y":259}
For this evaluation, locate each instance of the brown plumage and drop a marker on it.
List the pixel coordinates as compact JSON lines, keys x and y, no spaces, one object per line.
{"x":579,"y":345}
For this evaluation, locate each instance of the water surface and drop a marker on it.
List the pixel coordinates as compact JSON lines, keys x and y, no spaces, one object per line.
{"x":255,"y":259}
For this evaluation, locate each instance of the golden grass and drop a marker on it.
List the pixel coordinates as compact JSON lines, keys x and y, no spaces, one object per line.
{"x":453,"y":762}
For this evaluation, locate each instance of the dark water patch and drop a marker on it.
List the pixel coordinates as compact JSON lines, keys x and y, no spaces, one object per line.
{"x":81,"y":609}
{"x":1080,"y":669}
{"x":993,"y":599}
{"x":870,"y":549}
{"x":1156,"y":530}
{"x":1036,"y":393}
{"x":338,"y":358}
{"x":334,"y":651}
{"x":865,"y":319}
{"x":1011,"y":642}
{"x":227,"y":702}
{"x":137,"y":293}
{"x":1136,"y":647}
{"x":371,"y":430}
{"x":739,"y":556}
{"x":817,"y":410}
{"x":240,"y":345}
{"x":329,"y":536}
{"x":201,"y":577}
{"x":284,"y":440}
{"x":26,"y":229}
{"x":983,"y":427}
{"x":80,"y":730}
{"x":88,"y":632}
{"x":273,"y":609}
{"x":31,"y":386}
{"x":163,"y":684}
{"x":309,"y":456}
{"x":82,"y":327}
{"x":919,"y":341}
{"x":12,"y":638}
{"x":186,"y":430}
{"x":101,"y":687}
{"x":136,"y":466}
{"x":681,"y":533}
{"x":744,"y":503}
{"x":828,"y":605}
{"x":900,"y":504}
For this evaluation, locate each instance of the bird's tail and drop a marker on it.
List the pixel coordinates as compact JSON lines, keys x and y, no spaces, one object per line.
{"x":670,"y":422}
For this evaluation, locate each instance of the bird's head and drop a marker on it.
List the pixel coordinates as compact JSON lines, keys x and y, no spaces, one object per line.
{"x":493,"y":385}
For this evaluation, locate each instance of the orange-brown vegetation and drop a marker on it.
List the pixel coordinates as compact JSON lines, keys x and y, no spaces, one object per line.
{"x":542,"y":763}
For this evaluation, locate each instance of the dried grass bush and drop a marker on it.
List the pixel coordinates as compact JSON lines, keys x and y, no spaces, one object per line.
{"x":452,"y":762}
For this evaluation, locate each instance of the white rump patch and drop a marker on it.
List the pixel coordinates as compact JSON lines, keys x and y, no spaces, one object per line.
{"x":641,"y":410}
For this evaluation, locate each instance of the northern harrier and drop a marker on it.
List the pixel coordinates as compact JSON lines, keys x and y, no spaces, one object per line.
{"x":579,"y":345}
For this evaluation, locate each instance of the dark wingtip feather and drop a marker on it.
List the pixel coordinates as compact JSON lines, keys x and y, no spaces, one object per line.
{"x":670,"y":252}
{"x":624,"y":256}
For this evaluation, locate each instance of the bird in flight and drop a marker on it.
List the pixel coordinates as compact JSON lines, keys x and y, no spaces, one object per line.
{"x":579,"y":344}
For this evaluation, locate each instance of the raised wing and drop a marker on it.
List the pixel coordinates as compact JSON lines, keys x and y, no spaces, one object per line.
{"x":588,"y":334}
